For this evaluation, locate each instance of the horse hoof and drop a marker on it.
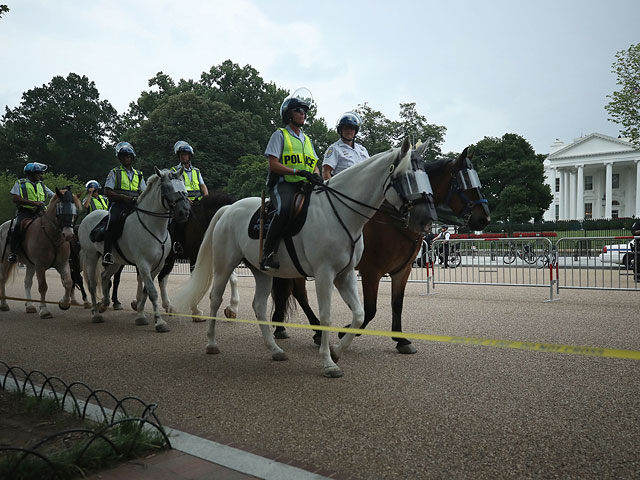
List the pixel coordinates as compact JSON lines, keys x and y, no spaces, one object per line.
{"x":335,"y":356}
{"x":142,"y":321}
{"x":102,"y":308}
{"x":134,"y":305}
{"x":117,"y":306}
{"x":212,"y":350}
{"x":281,"y":334}
{"x":198,"y":319}
{"x":86,"y":305}
{"x":280,"y":356}
{"x":162,"y":328}
{"x":31,"y":309}
{"x":408,"y":349}
{"x":230,"y":313}
{"x":332,"y":372}
{"x":4,"y":308}
{"x":46,"y":314}
{"x":63,"y":306}
{"x":97,"y":319}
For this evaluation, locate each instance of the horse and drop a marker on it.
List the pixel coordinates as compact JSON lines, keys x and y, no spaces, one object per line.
{"x":202,"y":211}
{"x":145,"y":242}
{"x":456,"y":184}
{"x":45,"y":245}
{"x":328,"y":246}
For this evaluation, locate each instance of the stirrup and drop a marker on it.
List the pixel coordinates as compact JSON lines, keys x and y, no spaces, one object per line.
{"x":12,"y":258}
{"x":269,"y":261}
{"x":107,"y":259}
{"x":177,"y":248}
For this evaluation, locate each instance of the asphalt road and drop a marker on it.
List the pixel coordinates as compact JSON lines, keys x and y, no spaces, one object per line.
{"x":449,"y":411}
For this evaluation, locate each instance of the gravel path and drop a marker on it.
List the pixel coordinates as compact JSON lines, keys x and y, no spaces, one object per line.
{"x":450,"y":411}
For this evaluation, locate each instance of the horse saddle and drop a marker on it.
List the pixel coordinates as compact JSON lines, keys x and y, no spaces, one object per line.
{"x":98,"y":232}
{"x":295,"y":223}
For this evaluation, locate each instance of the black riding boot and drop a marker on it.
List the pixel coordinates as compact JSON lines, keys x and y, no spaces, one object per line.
{"x":270,"y":251}
{"x":14,"y":244}
{"x":107,"y":258}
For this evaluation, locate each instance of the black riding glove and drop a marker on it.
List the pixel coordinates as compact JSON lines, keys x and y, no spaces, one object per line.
{"x":312,"y":178}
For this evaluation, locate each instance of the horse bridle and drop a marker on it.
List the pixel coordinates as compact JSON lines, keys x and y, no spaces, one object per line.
{"x":462,"y":179}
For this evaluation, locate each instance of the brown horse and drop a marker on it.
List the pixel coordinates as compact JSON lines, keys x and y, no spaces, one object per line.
{"x":456,"y":184}
{"x":45,"y":245}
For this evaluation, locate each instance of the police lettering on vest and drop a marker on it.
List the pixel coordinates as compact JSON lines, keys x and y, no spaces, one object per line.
{"x":298,"y":156}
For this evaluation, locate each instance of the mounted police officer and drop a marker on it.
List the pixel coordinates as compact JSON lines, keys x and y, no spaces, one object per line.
{"x":345,"y":152}
{"x":292,"y":164}
{"x":194,"y":183}
{"x":30,"y":195}
{"x":123,"y":186}
{"x":94,"y":200}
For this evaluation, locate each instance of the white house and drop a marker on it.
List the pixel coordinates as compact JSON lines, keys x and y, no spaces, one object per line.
{"x":596,"y":176}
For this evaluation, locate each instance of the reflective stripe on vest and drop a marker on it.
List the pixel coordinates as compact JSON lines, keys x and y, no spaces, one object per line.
{"x":123,"y":185}
{"x":295,"y":155}
{"x":29,"y":192}
{"x":98,"y":203}
{"x":191,"y":184}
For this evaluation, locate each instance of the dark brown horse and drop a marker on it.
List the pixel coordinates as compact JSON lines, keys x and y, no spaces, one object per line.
{"x":456,"y":184}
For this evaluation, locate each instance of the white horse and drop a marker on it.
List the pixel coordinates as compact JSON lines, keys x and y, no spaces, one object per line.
{"x":329,"y":246}
{"x":145,"y":242}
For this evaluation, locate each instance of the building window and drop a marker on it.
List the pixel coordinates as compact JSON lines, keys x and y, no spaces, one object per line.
{"x":588,"y":210}
{"x":557,"y":212}
{"x":614,"y":213}
{"x":588,"y":182}
{"x":615,"y":180}
{"x":557,"y":184}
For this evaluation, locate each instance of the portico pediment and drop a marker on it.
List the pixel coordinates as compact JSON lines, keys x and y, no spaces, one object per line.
{"x":592,"y":145}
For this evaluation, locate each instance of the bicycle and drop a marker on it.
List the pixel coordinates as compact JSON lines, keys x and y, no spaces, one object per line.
{"x":455,"y":259}
{"x":525,"y":254}
{"x":545,"y":258}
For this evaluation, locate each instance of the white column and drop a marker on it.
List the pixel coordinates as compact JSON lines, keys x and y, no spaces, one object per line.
{"x":637,"y":188}
{"x":552,"y":180}
{"x":580,"y":192}
{"x":565,"y":196}
{"x":572,"y":195}
{"x":561,"y":195}
{"x":608,"y":187}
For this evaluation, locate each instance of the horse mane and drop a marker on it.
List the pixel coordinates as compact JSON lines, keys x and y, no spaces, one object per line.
{"x":354,"y":170}
{"x":216,"y":200}
{"x":153,"y":179}
{"x":436,"y":165}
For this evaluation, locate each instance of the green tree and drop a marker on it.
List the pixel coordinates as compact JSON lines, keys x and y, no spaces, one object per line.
{"x":624,"y":107}
{"x":512,"y":177}
{"x":377,"y":132}
{"x":416,"y":127}
{"x":63,"y":124}
{"x":218,"y":134}
{"x":249,"y":176}
{"x":3,"y":9}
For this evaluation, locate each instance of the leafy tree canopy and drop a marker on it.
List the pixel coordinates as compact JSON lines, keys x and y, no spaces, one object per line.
{"x":63,"y":124}
{"x":512,"y":177}
{"x":249,"y":176}
{"x":218,"y":134}
{"x":624,"y":107}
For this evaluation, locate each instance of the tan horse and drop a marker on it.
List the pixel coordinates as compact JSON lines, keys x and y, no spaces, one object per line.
{"x":45,"y":245}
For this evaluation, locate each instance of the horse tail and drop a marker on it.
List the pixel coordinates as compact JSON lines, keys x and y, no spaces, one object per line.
{"x":199,"y":282}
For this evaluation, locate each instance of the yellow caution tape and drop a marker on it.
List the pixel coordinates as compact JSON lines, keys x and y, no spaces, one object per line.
{"x":483,"y":342}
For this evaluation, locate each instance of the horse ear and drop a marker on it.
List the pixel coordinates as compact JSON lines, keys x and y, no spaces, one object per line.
{"x":406,"y":146}
{"x":422,"y":148}
{"x":58,"y":193}
{"x":157,"y":170}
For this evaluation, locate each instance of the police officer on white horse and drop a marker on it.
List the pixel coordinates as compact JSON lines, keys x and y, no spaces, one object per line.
{"x":123,"y":186}
{"x":29,"y":194}
{"x":196,"y":188}
{"x":345,"y":152}
{"x":292,"y":163}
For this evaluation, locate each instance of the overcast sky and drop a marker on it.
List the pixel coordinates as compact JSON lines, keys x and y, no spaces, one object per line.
{"x":541,"y":69}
